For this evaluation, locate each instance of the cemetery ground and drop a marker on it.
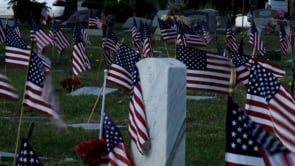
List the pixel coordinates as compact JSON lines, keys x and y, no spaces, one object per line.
{"x":205,"y":119}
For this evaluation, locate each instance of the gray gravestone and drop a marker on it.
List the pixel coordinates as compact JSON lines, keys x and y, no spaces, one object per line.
{"x":163,"y":82}
{"x":160,"y":13}
{"x":129,"y":22}
{"x":207,"y":15}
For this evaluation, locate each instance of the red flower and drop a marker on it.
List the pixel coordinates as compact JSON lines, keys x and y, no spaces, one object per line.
{"x":70,"y":83}
{"x":92,"y":150}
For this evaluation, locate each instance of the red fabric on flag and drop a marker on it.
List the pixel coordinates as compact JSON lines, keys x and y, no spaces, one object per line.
{"x":205,"y":71}
{"x":7,"y":91}
{"x":17,"y":51}
{"x":137,"y":124}
{"x":36,"y":97}
{"x":271,"y":105}
{"x":118,"y":152}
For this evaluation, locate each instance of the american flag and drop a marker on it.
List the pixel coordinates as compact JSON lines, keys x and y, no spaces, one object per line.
{"x":15,"y":27}
{"x":109,"y":39}
{"x":137,"y":129}
{"x":269,"y":104}
{"x":36,"y":86}
{"x":167,"y":32}
{"x":255,"y":39}
{"x":192,"y":38}
{"x":205,"y":71}
{"x":2,"y":33}
{"x":83,"y":35}
{"x":27,"y":155}
{"x":59,"y":39}
{"x":241,"y":148}
{"x":109,"y":44}
{"x":231,"y":41}
{"x":94,"y":22}
{"x":181,"y":38}
{"x":118,"y":151}
{"x":80,"y":60}
{"x":243,"y":64}
{"x":206,"y":35}
{"x":7,"y":91}
{"x":284,"y":41}
{"x":243,"y":134}
{"x":136,"y":35}
{"x":120,"y":72}
{"x":38,"y":35}
{"x":17,"y":51}
{"x":147,"y":48}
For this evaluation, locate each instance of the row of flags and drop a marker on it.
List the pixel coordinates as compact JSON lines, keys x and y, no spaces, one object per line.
{"x":208,"y":71}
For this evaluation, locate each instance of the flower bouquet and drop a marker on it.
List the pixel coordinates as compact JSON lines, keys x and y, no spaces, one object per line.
{"x":70,"y":84}
{"x":93,"y":151}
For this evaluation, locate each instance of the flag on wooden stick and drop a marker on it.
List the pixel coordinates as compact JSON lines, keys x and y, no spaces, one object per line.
{"x":118,"y":151}
{"x":39,"y":94}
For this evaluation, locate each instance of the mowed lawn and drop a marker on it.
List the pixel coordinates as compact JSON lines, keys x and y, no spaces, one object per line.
{"x":205,"y":119}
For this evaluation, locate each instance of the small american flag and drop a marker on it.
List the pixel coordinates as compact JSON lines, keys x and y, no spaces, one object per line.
{"x":243,"y":134}
{"x":36,"y":86}
{"x":192,"y":38}
{"x":269,"y":104}
{"x":59,"y":39}
{"x":181,"y":38}
{"x":205,"y":71}
{"x":27,"y":155}
{"x":94,"y":22}
{"x":17,"y":51}
{"x":39,"y":36}
{"x":83,"y":35}
{"x":284,"y":41}
{"x":7,"y":91}
{"x":16,"y":28}
{"x":136,"y":35}
{"x":2,"y":33}
{"x":118,"y":151}
{"x":147,"y":42}
{"x":167,"y":32}
{"x":241,"y":148}
{"x":206,"y":35}
{"x":243,"y":65}
{"x":231,"y":41}
{"x":120,"y":72}
{"x":137,"y":128}
{"x":109,"y":44}
{"x":80,"y":60}
{"x":255,"y":39}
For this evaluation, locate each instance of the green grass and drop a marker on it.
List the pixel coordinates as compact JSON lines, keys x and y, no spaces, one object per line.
{"x":205,"y":121}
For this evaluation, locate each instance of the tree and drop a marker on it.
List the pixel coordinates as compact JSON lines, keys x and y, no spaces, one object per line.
{"x":25,"y":10}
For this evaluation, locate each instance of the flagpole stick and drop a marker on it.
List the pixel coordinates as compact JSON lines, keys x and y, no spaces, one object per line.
{"x":21,"y":116}
{"x":253,"y":52}
{"x":95,"y":104}
{"x":167,"y":52}
{"x":232,"y":81}
{"x":103,"y":103}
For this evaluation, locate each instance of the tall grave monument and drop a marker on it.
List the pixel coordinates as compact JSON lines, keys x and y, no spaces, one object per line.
{"x":163,"y":82}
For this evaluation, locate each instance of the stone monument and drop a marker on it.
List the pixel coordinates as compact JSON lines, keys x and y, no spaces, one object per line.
{"x":163,"y":82}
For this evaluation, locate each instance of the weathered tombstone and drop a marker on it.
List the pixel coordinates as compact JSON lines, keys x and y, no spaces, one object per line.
{"x":129,"y":22}
{"x":160,"y":13}
{"x":209,"y":16}
{"x":163,"y":82}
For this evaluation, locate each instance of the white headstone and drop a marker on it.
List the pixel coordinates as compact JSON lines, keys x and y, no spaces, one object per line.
{"x":163,"y":82}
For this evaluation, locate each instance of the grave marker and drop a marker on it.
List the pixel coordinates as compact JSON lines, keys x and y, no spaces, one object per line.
{"x":163,"y":82}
